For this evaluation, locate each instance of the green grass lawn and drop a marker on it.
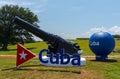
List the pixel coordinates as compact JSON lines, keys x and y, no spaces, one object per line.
{"x":33,"y":70}
{"x":36,"y":47}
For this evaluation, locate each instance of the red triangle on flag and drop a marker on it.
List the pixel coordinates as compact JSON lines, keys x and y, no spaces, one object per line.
{"x":23,"y":55}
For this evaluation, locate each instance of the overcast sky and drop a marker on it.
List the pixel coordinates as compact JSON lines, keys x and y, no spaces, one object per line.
{"x":74,"y":18}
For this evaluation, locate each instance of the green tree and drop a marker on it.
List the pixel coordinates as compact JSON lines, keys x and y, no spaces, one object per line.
{"x":10,"y":33}
{"x":116,"y":36}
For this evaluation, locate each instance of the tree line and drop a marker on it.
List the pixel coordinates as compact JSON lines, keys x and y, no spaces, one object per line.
{"x":116,"y":36}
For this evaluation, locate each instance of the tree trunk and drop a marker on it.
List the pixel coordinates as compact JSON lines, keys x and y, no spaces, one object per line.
{"x":4,"y":46}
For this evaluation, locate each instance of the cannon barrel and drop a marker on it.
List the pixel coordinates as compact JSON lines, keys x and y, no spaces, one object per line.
{"x":55,"y":43}
{"x":31,"y":28}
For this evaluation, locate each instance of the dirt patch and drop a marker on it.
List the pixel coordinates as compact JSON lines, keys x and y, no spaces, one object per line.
{"x":86,"y":57}
{"x":90,"y":74}
{"x":60,"y":73}
{"x":8,"y":56}
{"x":63,"y":74}
{"x":90,"y":58}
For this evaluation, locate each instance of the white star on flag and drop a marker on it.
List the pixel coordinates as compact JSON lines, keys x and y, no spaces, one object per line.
{"x":23,"y":55}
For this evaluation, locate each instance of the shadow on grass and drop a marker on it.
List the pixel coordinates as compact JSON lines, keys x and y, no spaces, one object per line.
{"x":16,"y":49}
{"x":27,"y":68}
{"x":31,"y":48}
{"x":107,"y":61}
{"x":8,"y":50}
{"x":20,"y":68}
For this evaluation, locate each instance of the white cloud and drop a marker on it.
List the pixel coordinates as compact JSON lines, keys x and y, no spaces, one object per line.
{"x":64,"y":35}
{"x":68,"y":35}
{"x":4,"y":2}
{"x":26,"y":4}
{"x":113,"y":30}
{"x":36,"y":6}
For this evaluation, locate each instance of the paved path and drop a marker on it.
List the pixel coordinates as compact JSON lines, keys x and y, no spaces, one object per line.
{"x":87,"y":57}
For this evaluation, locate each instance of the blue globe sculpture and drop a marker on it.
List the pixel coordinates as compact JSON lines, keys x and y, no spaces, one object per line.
{"x":102,"y":44}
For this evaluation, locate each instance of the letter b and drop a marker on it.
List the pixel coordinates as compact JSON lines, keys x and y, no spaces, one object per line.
{"x":64,"y":57}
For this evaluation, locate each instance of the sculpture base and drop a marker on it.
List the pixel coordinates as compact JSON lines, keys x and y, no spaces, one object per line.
{"x":82,"y":62}
{"x":101,"y":58}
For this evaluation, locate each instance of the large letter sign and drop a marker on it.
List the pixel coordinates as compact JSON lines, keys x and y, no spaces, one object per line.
{"x":61,"y":59}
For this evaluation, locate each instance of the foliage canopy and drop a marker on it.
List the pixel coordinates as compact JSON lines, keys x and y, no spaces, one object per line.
{"x":10,"y":33}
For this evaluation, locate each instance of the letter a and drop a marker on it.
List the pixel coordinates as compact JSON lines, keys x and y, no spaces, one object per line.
{"x":76,"y":60}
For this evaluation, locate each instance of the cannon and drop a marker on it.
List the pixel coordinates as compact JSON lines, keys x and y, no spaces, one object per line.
{"x":55,"y":42}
